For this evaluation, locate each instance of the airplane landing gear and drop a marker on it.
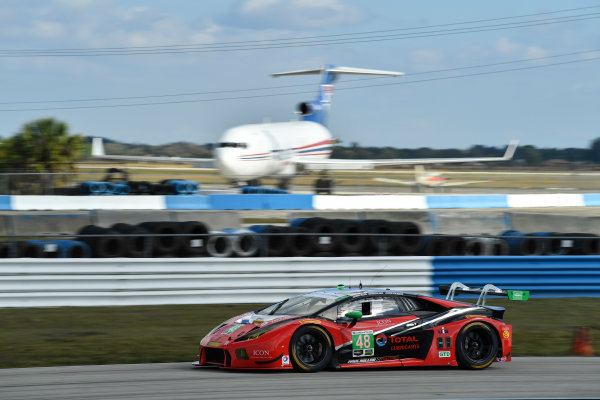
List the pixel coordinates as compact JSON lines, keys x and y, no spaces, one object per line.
{"x":284,"y":184}
{"x":324,"y":185}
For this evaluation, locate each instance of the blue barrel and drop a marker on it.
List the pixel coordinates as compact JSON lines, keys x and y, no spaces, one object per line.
{"x":120,"y":188}
{"x":63,"y":248}
{"x":179,"y":186}
{"x":93,"y":188}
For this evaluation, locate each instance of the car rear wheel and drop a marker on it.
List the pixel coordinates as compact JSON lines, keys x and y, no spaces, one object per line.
{"x":476,"y":346}
{"x":310,"y":349}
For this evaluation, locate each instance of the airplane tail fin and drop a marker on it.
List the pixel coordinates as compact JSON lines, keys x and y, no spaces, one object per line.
{"x":97,"y":147}
{"x":318,"y":110}
{"x":510,"y":150}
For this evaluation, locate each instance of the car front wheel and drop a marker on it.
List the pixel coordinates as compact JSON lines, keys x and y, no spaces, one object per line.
{"x":310,"y":349}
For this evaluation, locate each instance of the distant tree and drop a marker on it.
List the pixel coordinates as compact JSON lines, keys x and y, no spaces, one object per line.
{"x":530,"y":154}
{"x":595,"y":150}
{"x":44,"y":145}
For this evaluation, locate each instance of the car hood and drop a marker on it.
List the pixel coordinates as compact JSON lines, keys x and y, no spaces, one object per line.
{"x":240,"y":325}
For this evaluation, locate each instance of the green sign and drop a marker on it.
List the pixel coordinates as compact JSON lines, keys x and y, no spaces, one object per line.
{"x":363,"y":344}
{"x":518,"y":294}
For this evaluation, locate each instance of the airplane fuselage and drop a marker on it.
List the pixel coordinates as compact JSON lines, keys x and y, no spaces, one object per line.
{"x":254,"y":151}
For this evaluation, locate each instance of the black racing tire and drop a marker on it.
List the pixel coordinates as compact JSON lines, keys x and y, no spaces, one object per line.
{"x":134,"y":246}
{"x":299,"y":244}
{"x":476,"y":346}
{"x":311,"y":349}
{"x":164,"y":245}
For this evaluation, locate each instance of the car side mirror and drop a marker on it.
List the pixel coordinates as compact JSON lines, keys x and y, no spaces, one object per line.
{"x":354,"y":315}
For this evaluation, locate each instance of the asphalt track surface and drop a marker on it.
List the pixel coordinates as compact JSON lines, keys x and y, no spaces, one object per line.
{"x":524,"y":377}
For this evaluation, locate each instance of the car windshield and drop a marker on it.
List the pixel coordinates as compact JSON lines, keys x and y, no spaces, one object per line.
{"x":306,"y":304}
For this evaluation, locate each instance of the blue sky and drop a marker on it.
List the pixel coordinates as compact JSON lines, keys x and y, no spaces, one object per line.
{"x":549,"y":106}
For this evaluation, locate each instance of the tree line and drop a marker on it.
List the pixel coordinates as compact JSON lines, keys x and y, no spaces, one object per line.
{"x":46,"y":145}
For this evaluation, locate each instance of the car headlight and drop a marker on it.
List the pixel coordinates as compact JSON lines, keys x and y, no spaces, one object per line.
{"x":254,"y":334}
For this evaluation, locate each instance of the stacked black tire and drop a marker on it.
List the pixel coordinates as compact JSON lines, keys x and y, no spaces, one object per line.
{"x":148,"y":239}
{"x":307,"y":237}
{"x":322,"y":237}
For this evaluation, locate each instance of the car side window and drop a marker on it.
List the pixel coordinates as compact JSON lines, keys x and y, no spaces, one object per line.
{"x":372,"y":306}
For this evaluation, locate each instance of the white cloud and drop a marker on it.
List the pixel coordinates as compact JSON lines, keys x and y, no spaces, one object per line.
{"x":290,"y":14}
{"x":535,"y":52}
{"x":48,"y":29}
{"x":92,"y":23}
{"x":426,"y":59}
{"x":505,"y":46}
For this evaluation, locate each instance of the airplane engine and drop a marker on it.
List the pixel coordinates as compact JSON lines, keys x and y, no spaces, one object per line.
{"x":304,"y":108}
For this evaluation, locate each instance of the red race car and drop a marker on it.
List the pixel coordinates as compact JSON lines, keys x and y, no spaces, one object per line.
{"x":346,"y":328}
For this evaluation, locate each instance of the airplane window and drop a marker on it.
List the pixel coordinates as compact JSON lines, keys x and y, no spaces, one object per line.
{"x":232,"y":144}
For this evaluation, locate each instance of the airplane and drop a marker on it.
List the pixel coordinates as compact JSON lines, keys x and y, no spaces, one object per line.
{"x":428,"y":179}
{"x":247,"y":153}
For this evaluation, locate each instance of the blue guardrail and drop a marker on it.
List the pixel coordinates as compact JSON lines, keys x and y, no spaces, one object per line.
{"x":544,"y":276}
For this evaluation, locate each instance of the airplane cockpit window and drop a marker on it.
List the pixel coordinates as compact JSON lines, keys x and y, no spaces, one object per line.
{"x":232,"y":144}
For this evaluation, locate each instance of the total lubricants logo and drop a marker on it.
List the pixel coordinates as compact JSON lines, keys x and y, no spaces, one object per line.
{"x":381,"y":340}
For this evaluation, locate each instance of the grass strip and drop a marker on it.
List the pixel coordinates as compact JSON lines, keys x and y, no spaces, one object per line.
{"x":35,"y":337}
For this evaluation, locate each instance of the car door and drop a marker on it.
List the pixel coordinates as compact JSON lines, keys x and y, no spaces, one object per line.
{"x":375,"y":336}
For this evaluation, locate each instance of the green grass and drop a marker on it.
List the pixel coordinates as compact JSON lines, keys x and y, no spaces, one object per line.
{"x":114,"y":335}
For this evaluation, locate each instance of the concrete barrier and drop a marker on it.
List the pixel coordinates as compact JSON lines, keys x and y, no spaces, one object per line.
{"x":261,"y":201}
{"x":297,"y":202}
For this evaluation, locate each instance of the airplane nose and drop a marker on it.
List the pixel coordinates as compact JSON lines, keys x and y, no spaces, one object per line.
{"x":224,"y":162}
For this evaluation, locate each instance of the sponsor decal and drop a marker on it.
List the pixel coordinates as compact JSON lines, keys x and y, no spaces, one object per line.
{"x":384,"y":321}
{"x":443,"y":330}
{"x":444,"y":354}
{"x":505,"y":333}
{"x":415,"y":346}
{"x":274,"y":320}
{"x":309,"y":321}
{"x":258,"y":353}
{"x":258,"y":321}
{"x":364,"y":360}
{"x":232,"y":329}
{"x":285,"y":360}
{"x":403,"y":339}
{"x":363,"y":344}
{"x":214,"y":344}
{"x":381,"y":340}
{"x":502,"y":359}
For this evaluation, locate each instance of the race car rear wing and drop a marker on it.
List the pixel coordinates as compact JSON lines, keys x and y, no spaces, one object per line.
{"x":457,"y":288}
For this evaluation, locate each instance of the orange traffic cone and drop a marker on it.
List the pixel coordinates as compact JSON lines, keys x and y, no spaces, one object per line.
{"x":582,"y":342}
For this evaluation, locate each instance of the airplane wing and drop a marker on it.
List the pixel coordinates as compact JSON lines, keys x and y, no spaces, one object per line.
{"x":330,"y":163}
{"x":98,"y":152}
{"x":463,"y":183}
{"x":396,"y":181}
{"x":442,"y":184}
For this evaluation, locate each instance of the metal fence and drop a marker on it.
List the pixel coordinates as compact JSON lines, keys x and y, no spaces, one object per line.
{"x":115,"y":282}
